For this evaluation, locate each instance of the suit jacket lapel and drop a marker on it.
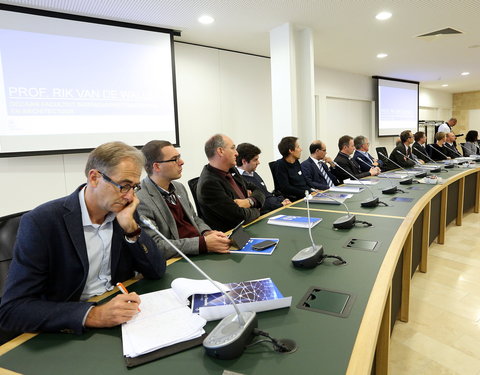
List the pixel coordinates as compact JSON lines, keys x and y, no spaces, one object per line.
{"x":162,"y":207}
{"x":73,"y":223}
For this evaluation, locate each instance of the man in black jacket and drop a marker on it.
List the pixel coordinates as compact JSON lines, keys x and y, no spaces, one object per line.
{"x":225,"y":198}
{"x":247,"y":163}
{"x":346,"y":149}
{"x":402,"y":154}
{"x":419,"y":147}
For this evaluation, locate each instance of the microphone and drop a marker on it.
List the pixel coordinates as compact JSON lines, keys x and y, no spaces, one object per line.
{"x":391,"y":190}
{"x":448,"y":166}
{"x":406,"y":181}
{"x":229,"y":338}
{"x":312,"y":256}
{"x":421,"y":174}
{"x":475,"y":156}
{"x":374,"y":201}
{"x":439,"y":169}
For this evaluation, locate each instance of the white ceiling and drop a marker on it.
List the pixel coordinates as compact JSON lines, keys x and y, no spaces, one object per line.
{"x":346,"y":34}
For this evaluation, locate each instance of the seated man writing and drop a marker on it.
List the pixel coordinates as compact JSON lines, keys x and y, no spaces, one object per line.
{"x":80,"y":246}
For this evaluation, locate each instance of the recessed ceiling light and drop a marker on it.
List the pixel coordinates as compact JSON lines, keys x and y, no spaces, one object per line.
{"x":206,"y":20}
{"x":382,"y":55}
{"x":382,"y":16}
{"x":465,"y":73}
{"x":445,"y":85}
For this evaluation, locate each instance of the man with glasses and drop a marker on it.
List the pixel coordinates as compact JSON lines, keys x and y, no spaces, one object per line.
{"x":224,"y":196}
{"x":165,"y":201}
{"x":316,"y":169}
{"x":80,"y":246}
{"x":402,"y":154}
{"x":361,"y":155}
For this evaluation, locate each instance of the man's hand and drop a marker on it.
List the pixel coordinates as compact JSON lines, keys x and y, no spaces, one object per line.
{"x":125,"y":216}
{"x":328,"y":159}
{"x":217,"y":242}
{"x":119,"y":310}
{"x":244,"y":203}
{"x":374,"y":171}
{"x":285,"y":202}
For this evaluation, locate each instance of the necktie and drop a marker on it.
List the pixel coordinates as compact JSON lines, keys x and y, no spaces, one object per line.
{"x":325,"y":174}
{"x":235,"y":187}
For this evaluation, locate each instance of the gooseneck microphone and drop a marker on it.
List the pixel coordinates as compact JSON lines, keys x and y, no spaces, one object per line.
{"x":312,"y":256}
{"x":412,"y":158}
{"x":474,"y":156}
{"x":406,"y":181}
{"x":372,"y":202}
{"x":229,"y":338}
{"x":436,"y":170}
{"x":454,"y":149}
{"x":391,"y":190}
{"x":448,"y":166}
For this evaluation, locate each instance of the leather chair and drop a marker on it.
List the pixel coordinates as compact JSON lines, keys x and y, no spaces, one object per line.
{"x":8,"y":234}
{"x":192,"y":184}
{"x":382,"y":150}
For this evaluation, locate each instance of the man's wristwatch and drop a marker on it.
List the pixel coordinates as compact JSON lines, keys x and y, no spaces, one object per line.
{"x":135,"y":233}
{"x":251,"y":201}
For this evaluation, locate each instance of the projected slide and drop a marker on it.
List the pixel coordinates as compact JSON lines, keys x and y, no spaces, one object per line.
{"x":78,"y":86}
{"x":397,"y":104}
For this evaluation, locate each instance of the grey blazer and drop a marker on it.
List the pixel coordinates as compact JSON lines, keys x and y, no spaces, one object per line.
{"x":153,"y":206}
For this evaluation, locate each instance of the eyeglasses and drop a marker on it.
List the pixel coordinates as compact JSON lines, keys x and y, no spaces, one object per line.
{"x":123,"y":188}
{"x":176,"y":159}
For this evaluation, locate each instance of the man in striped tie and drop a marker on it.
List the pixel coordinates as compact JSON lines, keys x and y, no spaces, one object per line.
{"x":316,"y":169}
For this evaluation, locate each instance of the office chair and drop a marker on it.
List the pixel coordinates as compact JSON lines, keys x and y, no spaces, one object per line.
{"x":382,"y":150}
{"x":273,"y":170}
{"x":192,"y":184}
{"x":8,"y":233}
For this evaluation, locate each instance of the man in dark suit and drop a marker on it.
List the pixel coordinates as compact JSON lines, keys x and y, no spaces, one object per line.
{"x":79,"y":246}
{"x":419,"y":147}
{"x":316,"y":169}
{"x":438,"y":151}
{"x":288,"y":172}
{"x":402,"y":154}
{"x":247,"y":163}
{"x":361,"y":155}
{"x":450,"y":145}
{"x":165,"y":201}
{"x":346,"y":149}
{"x":224,"y":196}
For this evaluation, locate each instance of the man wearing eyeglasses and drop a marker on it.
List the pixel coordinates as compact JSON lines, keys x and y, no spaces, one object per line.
{"x":402,"y":154}
{"x":224,"y":196}
{"x":165,"y":201}
{"x":80,"y":246}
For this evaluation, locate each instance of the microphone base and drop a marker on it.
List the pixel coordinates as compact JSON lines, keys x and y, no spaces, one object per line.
{"x":391,"y":190}
{"x":372,"y":202}
{"x":309,"y":257}
{"x":407,"y":181}
{"x":421,"y":175}
{"x":229,"y":339}
{"x":449,"y":166}
{"x":345,"y":222}
{"x":436,"y":170}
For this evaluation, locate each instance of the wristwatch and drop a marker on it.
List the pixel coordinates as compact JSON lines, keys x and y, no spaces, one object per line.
{"x":135,"y":233}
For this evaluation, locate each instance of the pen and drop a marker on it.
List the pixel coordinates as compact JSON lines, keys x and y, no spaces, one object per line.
{"x":124,"y":290}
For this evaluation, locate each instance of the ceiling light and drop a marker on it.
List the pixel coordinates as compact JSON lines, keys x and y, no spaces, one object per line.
{"x":382,"y":16}
{"x":444,"y":85}
{"x":206,"y":20}
{"x":465,"y":73}
{"x":382,"y":55}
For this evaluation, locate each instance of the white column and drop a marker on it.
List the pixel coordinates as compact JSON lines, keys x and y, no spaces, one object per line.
{"x":293,"y":84}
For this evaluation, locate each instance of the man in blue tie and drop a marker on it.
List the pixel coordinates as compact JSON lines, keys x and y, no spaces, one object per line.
{"x":316,"y":169}
{"x":367,"y":161}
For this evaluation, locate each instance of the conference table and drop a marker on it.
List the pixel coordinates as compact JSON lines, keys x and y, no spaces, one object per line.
{"x":376,"y":279}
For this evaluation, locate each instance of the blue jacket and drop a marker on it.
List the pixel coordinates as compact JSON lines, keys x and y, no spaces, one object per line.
{"x":50,"y":267}
{"x":314,"y":177}
{"x":365,"y":159}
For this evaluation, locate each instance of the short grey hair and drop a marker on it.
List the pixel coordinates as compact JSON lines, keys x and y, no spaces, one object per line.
{"x":359,"y":141}
{"x":212,"y":144}
{"x":108,"y":156}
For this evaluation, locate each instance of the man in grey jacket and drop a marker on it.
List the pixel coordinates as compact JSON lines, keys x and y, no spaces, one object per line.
{"x":165,"y":202}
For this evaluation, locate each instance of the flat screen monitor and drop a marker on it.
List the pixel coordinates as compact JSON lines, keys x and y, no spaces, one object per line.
{"x":69,"y":83}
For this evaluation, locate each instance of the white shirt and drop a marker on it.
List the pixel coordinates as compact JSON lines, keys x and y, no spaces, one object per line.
{"x":98,"y":240}
{"x":444,"y":128}
{"x":244,"y":172}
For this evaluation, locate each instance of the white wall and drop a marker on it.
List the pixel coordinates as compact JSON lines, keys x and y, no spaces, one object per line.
{"x":218,"y":91}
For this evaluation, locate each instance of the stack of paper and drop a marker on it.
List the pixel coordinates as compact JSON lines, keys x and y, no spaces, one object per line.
{"x":294,"y":221}
{"x":164,"y":320}
{"x":355,"y":182}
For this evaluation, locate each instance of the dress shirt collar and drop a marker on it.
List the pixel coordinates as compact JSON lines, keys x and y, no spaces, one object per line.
{"x":243,"y":172}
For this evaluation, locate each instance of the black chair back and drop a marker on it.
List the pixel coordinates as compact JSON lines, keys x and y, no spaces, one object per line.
{"x":8,"y":234}
{"x":382,"y":150}
{"x":273,"y":170}
{"x":192,"y":184}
